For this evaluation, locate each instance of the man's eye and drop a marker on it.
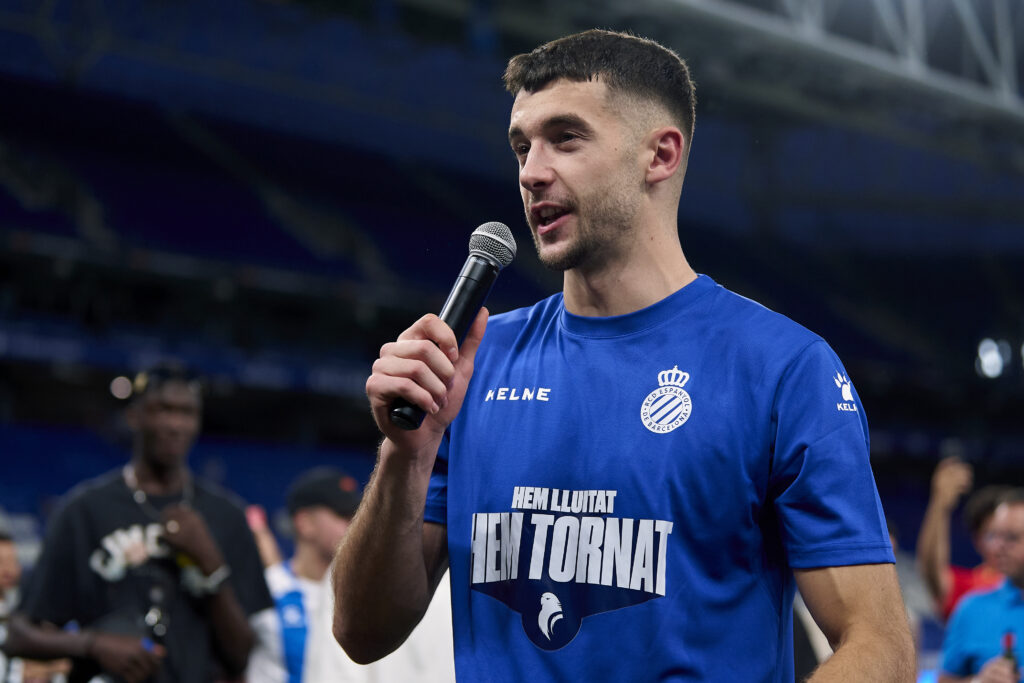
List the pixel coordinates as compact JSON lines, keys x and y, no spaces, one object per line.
{"x":520,"y":149}
{"x":567,"y":137}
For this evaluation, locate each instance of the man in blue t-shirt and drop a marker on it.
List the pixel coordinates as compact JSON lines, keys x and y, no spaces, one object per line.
{"x":644,"y":466}
{"x":982,"y":641}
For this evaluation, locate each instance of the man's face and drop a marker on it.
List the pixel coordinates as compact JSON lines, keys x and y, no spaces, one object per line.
{"x":580,"y":172}
{"x":167,"y":422}
{"x":10,"y":568}
{"x":322,"y":527}
{"x":1006,"y":535}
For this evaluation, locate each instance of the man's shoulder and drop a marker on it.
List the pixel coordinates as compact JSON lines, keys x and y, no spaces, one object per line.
{"x":765,"y":325}
{"x":279,"y":580}
{"x":984,"y":598}
{"x":215,"y":495}
{"x":95,"y":489}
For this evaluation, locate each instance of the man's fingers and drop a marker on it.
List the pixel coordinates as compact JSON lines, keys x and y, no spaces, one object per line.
{"x":384,"y":389}
{"x":433,"y":380}
{"x":422,"y":351}
{"x":433,"y":329}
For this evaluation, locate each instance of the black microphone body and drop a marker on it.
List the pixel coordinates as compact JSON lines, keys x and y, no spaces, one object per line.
{"x":464,"y":302}
{"x":468,"y":295}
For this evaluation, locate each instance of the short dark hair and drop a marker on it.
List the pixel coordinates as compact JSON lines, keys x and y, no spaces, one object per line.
{"x":982,"y":504}
{"x":5,"y":537}
{"x":156,"y":376}
{"x":627,"y":63}
{"x":1014,"y":496}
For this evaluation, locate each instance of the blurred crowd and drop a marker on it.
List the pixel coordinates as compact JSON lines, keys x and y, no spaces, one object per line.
{"x":150,"y":573}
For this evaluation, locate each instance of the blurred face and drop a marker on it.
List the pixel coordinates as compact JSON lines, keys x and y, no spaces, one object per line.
{"x":580,"y":172}
{"x":984,"y":543}
{"x":10,"y":569}
{"x":1006,"y":537}
{"x":166,"y":422}
{"x":322,"y":528}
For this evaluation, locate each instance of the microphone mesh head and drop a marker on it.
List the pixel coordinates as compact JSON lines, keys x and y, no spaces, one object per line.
{"x":494,"y":240}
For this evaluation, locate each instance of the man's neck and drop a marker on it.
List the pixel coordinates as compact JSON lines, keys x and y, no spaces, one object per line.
{"x":158,"y":480}
{"x":308,"y":562}
{"x":647,"y":272}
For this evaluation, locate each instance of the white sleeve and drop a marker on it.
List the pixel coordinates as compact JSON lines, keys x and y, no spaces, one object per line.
{"x":266,"y":661}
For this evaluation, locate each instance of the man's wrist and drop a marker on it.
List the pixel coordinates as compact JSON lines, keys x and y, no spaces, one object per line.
{"x":88,"y":644}
{"x":199,"y":584}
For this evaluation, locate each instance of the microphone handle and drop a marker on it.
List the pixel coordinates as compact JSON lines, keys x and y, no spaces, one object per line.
{"x":459,"y":311}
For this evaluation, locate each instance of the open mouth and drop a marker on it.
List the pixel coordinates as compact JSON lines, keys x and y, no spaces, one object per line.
{"x":549,"y":214}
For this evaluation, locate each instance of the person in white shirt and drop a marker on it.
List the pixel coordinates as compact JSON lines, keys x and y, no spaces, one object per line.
{"x":298,"y":646}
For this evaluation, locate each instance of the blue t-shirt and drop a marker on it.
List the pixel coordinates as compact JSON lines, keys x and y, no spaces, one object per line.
{"x":625,"y":497}
{"x":975,"y":632}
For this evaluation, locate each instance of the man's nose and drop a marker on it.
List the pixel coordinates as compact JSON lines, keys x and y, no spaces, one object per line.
{"x":536,"y":172}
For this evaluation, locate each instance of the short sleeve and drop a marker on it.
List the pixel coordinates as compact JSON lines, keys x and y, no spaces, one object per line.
{"x":51,"y":595}
{"x":436,"y":509}
{"x":824,"y":491}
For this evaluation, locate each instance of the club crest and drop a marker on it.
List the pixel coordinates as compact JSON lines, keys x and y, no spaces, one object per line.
{"x":669,"y":406}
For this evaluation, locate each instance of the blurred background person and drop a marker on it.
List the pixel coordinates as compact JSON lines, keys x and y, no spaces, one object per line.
{"x":154,"y":566}
{"x":10,"y":575}
{"x":946,"y":582}
{"x":982,"y":642}
{"x":17,"y":670}
{"x":321,"y":503}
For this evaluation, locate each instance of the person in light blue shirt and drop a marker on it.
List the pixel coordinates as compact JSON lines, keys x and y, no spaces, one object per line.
{"x":989,"y":622}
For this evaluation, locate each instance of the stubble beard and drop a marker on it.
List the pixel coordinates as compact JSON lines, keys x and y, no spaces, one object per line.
{"x":602,"y":222}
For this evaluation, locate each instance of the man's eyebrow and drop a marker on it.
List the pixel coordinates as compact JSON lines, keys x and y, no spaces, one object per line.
{"x":557,"y":121}
{"x":564,"y":120}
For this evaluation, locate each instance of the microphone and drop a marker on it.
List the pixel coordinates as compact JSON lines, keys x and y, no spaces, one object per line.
{"x":491,"y":248}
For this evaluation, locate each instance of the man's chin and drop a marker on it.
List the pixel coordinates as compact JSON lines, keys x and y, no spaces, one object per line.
{"x":168,"y":459}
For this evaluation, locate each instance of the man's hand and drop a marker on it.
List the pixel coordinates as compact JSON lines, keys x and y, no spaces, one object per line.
{"x":951,"y":480}
{"x":186,"y":532}
{"x":425,"y":367}
{"x":996,"y":670}
{"x":126,"y":657}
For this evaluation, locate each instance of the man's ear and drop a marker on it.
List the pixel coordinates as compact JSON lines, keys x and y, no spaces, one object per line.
{"x":668,"y":148}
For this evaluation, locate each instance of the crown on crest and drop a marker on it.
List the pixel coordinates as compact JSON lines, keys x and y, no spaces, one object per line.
{"x":675,"y":377}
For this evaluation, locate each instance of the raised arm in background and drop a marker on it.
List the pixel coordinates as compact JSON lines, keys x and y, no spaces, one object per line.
{"x":952,"y":479}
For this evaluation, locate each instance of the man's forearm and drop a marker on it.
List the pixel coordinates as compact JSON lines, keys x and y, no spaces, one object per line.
{"x":233,"y":635}
{"x":380,"y":578}
{"x":32,"y":641}
{"x":871,"y":658}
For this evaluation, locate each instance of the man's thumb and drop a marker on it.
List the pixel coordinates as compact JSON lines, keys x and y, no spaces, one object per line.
{"x":475,"y":335}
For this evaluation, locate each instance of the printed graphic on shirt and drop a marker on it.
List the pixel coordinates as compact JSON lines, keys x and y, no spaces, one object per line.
{"x":843,"y":382}
{"x":668,"y":406}
{"x":559,"y":556}
{"x":122,"y":549}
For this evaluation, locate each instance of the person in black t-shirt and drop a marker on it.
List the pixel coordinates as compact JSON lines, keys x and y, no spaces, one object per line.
{"x":155,"y":567}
